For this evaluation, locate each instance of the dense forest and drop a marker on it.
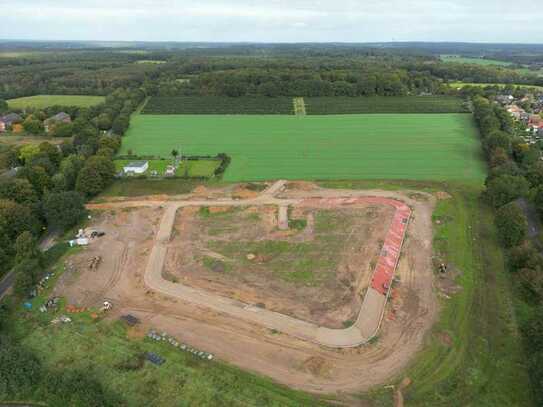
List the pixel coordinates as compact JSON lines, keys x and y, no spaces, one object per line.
{"x":514,"y":186}
{"x":242,"y":71}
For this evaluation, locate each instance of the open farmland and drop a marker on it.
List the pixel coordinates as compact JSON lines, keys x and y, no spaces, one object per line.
{"x":457,"y":85}
{"x":394,"y":146}
{"x":384,"y":104}
{"x":218,"y":105}
{"x":43,"y":101}
{"x":477,"y":61}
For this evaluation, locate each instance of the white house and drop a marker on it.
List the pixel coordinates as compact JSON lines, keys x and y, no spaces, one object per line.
{"x":136,"y":167}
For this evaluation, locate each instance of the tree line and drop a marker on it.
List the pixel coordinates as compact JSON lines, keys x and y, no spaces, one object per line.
{"x":52,"y":182}
{"x":515,"y":183}
{"x":48,"y":193}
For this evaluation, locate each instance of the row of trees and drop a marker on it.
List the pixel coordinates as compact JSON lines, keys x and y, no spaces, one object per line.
{"x":515,"y":183}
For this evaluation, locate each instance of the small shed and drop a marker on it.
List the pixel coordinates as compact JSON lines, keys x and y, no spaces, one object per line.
{"x":136,"y":167}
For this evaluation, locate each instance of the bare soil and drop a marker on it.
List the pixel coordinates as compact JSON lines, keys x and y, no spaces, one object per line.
{"x":300,"y":364}
{"x":231,"y":252}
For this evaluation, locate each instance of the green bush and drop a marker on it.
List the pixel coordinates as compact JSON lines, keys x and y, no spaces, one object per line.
{"x":512,"y":225}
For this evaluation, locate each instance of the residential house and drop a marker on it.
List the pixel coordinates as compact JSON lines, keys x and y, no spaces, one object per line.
{"x":9,"y":120}
{"x":61,"y":117}
{"x":136,"y":167}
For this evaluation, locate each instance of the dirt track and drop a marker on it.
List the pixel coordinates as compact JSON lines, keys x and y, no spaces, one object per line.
{"x":250,"y":345}
{"x":370,"y":315}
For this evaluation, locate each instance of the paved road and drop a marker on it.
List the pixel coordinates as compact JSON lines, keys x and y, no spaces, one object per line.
{"x":363,"y":330}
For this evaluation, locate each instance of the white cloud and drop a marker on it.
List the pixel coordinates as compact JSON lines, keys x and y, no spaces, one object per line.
{"x":274,"y":20}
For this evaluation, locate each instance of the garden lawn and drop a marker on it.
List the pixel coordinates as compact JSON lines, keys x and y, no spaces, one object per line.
{"x":196,"y":168}
{"x":43,"y":101}
{"x":378,"y":146}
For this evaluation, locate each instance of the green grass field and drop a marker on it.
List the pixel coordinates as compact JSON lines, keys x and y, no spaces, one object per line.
{"x":457,"y":85}
{"x":395,"y":146}
{"x":491,"y":62}
{"x":43,"y":101}
{"x":477,"y":61}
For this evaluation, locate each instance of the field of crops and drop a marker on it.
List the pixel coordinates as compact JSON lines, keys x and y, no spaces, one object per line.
{"x":313,"y":106}
{"x":457,"y":85}
{"x":383,"y":146}
{"x":380,"y":104}
{"x":477,"y":61}
{"x":218,"y":105}
{"x":43,"y":101}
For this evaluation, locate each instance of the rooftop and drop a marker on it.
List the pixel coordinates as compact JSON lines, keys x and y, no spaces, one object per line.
{"x":136,"y":164}
{"x":59,"y":117}
{"x":10,"y":117}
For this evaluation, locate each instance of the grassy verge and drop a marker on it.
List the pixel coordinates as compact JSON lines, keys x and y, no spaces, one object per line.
{"x":485,"y":364}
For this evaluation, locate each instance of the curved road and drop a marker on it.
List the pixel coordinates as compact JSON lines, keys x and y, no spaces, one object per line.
{"x":372,"y":309}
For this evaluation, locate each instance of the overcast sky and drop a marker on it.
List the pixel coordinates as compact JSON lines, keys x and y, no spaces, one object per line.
{"x":274,"y":20}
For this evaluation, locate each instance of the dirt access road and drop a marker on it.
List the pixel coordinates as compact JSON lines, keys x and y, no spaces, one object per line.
{"x":370,"y":315}
{"x":292,"y":358}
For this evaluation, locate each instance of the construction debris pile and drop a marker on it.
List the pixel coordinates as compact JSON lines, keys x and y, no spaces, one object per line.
{"x":51,"y":303}
{"x":172,"y":341}
{"x":41,"y":285}
{"x":62,"y":319}
{"x":94,"y":262}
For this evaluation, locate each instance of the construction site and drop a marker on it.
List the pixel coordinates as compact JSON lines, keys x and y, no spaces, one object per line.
{"x":320,"y":289}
